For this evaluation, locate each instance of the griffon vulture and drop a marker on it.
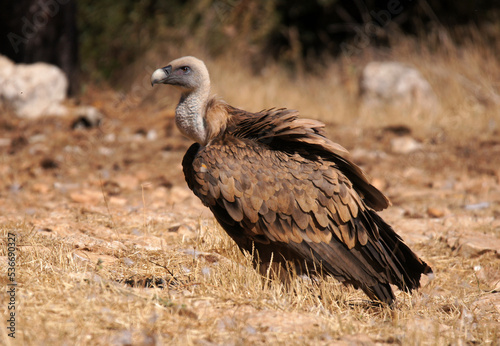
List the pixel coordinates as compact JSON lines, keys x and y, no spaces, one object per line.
{"x":280,"y":188}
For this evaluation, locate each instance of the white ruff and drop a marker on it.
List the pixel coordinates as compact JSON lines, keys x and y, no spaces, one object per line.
{"x":190,"y":116}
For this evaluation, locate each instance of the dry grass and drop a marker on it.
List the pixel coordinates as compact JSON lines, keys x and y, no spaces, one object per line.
{"x":87,"y":254}
{"x":216,"y":297}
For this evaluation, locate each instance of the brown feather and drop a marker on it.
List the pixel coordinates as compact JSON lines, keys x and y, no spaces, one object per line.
{"x":214,"y":191}
{"x":272,"y":203}
{"x":270,"y":216}
{"x":362,"y":234}
{"x":353,"y":206}
{"x":216,"y":117}
{"x":335,"y":229}
{"x":300,"y":218}
{"x":348,"y":236}
{"x":234,"y":209}
{"x":285,"y":201}
{"x":322,"y":218}
{"x":250,"y":212}
{"x":342,"y":210}
{"x":255,"y":202}
{"x":227,"y":189}
{"x":295,"y":235}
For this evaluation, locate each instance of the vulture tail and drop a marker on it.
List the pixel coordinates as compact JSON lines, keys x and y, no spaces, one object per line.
{"x":406,"y":267}
{"x":381,"y":292}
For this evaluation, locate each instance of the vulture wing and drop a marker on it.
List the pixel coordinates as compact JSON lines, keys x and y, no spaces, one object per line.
{"x":282,"y":129}
{"x":278,"y":186}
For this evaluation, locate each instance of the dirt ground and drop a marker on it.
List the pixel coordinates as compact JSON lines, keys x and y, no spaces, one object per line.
{"x":112,"y":247}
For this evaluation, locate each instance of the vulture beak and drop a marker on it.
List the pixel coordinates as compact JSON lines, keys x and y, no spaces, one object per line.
{"x":161,"y":75}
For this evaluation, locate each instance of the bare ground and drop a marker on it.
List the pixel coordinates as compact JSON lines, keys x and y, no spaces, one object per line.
{"x":112,"y":247}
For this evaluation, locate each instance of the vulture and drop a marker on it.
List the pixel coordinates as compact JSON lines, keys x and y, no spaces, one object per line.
{"x":286,"y":193}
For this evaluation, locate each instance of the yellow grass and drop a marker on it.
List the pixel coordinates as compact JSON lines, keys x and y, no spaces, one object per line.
{"x":63,"y":298}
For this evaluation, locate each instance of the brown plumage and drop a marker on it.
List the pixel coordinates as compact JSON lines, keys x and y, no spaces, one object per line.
{"x":280,"y":188}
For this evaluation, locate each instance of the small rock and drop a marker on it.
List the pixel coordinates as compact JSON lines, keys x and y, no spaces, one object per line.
{"x":152,"y":135}
{"x":474,"y":245}
{"x":404,"y":145}
{"x":40,"y":188}
{"x":435,"y":212}
{"x":5,"y":142}
{"x":64,"y":187}
{"x":127,"y":261}
{"x":86,"y":196}
{"x":110,"y":137}
{"x":477,"y":206}
{"x":104,"y":151}
{"x":117,"y":201}
{"x":38,"y":138}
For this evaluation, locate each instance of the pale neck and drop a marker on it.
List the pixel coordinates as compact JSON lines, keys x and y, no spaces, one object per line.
{"x":190,"y":115}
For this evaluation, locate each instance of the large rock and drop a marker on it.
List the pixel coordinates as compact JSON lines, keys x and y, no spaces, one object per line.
{"x":395,"y":85}
{"x":32,"y":90}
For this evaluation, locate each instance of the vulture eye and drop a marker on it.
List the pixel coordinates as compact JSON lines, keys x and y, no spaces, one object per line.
{"x":185,"y":69}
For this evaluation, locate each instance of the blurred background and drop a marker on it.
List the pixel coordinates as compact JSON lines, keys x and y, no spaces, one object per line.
{"x":429,"y":68}
{"x":117,"y":44}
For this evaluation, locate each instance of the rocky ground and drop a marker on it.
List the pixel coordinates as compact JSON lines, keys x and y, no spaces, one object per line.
{"x":113,"y":248}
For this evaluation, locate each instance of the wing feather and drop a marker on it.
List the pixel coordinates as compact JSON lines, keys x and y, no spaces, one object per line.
{"x":234,"y":209}
{"x":250,"y":212}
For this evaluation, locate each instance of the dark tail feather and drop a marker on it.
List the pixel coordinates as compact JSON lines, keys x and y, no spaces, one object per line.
{"x":381,"y":292}
{"x":407,"y":267}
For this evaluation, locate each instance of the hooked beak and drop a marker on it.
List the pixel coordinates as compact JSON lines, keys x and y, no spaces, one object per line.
{"x":161,"y":75}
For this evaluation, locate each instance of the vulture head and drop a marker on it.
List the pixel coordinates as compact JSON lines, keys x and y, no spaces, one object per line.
{"x":190,"y":75}
{"x":187,"y":73}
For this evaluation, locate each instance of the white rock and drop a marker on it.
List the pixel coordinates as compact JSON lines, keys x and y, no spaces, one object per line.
{"x":32,"y":90}
{"x":392,"y":84}
{"x":404,"y":145}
